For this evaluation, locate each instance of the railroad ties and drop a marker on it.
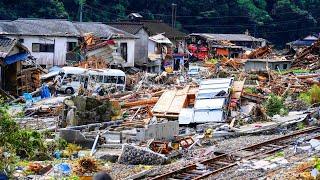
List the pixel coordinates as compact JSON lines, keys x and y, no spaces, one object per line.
{"x":224,"y":161}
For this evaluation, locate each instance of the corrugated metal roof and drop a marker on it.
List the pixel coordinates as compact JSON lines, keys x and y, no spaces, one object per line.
{"x":208,"y":107}
{"x":206,"y":91}
{"x":209,"y":103}
{"x":210,"y":93}
{"x":213,"y":86}
{"x":204,"y":116}
{"x":217,"y":81}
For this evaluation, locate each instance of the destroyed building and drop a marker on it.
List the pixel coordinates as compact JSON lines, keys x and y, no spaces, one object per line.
{"x":145,"y":55}
{"x":205,"y":45}
{"x":256,"y":65}
{"x":19,"y":73}
{"x":124,"y":43}
{"x":304,"y":42}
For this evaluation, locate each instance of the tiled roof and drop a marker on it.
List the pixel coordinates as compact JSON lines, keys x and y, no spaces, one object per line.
{"x":45,"y":27}
{"x":6,"y":45}
{"x":129,"y":27}
{"x":153,"y":27}
{"x":157,"y":27}
{"x":59,"y":27}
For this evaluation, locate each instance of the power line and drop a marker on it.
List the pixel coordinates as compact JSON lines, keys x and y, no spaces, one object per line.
{"x":252,"y":24}
{"x":227,"y":26}
{"x":291,"y":30}
{"x":205,"y":17}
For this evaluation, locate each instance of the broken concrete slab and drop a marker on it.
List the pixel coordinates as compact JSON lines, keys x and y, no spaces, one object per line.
{"x":76,"y":137}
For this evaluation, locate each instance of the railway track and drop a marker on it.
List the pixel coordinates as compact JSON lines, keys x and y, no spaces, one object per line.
{"x":224,"y":161}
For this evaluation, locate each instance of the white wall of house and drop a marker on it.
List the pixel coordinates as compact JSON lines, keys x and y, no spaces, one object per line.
{"x":56,"y":58}
{"x":152,"y":46}
{"x":141,"y":47}
{"x":131,"y":50}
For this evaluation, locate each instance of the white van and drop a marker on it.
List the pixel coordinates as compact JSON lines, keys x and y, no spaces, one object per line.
{"x":74,"y":77}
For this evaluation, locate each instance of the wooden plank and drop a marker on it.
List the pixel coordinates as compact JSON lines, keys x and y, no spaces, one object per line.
{"x":238,"y":86}
{"x":179,"y":101}
{"x":164,"y":102}
{"x":177,"y":104}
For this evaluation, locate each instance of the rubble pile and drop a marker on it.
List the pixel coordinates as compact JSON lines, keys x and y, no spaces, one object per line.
{"x":101,"y":114}
{"x":137,"y":155}
{"x":308,"y":58}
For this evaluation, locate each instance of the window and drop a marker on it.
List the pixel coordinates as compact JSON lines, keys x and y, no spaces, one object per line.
{"x":37,"y":47}
{"x":71,"y":46}
{"x":21,"y":40}
{"x":121,"y":80}
{"x":124,"y":51}
{"x":112,"y":79}
{"x":100,"y":80}
{"x":276,"y":67}
{"x":285,"y":66}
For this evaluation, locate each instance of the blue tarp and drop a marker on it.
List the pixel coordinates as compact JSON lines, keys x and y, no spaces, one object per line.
{"x":15,"y":58}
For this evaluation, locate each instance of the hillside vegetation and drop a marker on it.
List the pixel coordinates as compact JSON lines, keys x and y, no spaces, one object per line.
{"x":279,"y":21}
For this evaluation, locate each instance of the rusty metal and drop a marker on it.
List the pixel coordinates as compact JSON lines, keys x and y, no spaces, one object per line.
{"x":224,"y":161}
{"x":160,"y":147}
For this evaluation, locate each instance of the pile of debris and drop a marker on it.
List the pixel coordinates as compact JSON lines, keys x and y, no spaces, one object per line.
{"x":308,"y":58}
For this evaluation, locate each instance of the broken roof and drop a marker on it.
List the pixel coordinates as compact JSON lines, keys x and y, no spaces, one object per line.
{"x":101,"y":30}
{"x":6,"y":44}
{"x":227,"y":37}
{"x":160,"y":38}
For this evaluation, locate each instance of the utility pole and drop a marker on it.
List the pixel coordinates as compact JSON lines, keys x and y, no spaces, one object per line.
{"x":174,"y":14}
{"x":81,"y":3}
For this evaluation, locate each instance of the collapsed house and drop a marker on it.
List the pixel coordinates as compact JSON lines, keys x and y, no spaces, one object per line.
{"x":305,"y":42}
{"x":204,"y":45}
{"x":19,"y":73}
{"x":145,"y":56}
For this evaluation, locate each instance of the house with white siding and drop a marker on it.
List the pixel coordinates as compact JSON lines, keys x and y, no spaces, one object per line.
{"x":52,"y":41}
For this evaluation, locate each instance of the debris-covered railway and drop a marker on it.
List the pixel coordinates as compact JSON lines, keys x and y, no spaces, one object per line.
{"x":224,"y":161}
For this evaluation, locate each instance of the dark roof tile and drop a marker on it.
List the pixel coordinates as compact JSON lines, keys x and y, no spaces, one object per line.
{"x":132,"y":28}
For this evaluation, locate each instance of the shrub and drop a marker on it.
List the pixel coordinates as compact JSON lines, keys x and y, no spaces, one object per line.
{"x":275,"y":105}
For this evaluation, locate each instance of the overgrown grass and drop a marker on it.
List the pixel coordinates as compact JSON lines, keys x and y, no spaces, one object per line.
{"x":312,"y":96}
{"x":251,"y":90}
{"x":296,"y":71}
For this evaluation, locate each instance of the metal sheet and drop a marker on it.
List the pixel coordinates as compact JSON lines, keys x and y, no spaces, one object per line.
{"x":217,"y":81}
{"x":186,"y":116}
{"x":214,"y":86}
{"x":217,"y":103}
{"x":204,"y":116}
